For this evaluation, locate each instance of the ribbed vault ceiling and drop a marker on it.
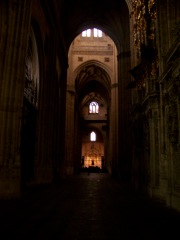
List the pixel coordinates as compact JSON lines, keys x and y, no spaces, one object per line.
{"x":93,"y":79}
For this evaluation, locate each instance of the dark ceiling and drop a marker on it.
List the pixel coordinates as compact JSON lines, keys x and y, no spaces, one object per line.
{"x":111,"y":16}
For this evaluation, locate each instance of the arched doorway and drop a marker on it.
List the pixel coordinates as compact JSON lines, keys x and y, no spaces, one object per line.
{"x":92,"y":98}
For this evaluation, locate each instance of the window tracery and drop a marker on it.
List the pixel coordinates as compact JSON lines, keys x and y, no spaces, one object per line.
{"x":93,"y":107}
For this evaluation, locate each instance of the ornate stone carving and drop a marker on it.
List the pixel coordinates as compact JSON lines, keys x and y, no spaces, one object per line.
{"x":144,"y":16}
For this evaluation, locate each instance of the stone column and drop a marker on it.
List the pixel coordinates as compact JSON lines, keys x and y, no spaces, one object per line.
{"x":78,"y":142}
{"x":113,"y":131}
{"x":69,"y":140}
{"x":124,"y":113}
{"x":62,"y":119}
{"x":15,"y":18}
{"x":49,"y":119}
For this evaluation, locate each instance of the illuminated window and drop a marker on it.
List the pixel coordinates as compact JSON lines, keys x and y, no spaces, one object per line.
{"x":93,"y":137}
{"x":93,"y":107}
{"x":97,"y":32}
{"x":86,"y":33}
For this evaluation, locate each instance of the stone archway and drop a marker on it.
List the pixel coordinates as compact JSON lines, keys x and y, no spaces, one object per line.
{"x":93,"y":77}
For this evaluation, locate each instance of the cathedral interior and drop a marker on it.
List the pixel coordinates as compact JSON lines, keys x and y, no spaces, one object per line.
{"x":93,"y":85}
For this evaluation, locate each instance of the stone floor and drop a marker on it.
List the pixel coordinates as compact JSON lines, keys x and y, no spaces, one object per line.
{"x":86,"y":207}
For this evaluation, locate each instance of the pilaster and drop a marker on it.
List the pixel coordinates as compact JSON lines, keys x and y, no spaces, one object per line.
{"x":124,"y":96}
{"x":69,"y":141}
{"x":14,"y":42}
{"x":113,"y":131}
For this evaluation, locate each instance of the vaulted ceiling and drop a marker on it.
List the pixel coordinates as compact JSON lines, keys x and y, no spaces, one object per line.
{"x":93,"y":79}
{"x":111,"y":16}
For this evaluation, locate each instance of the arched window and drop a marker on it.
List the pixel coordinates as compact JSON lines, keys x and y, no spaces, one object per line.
{"x":93,"y":137}
{"x":93,"y":107}
{"x":92,"y":32}
{"x":86,"y":33}
{"x":97,"y":32}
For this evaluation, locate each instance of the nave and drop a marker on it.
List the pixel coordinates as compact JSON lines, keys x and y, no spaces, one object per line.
{"x":91,"y":206}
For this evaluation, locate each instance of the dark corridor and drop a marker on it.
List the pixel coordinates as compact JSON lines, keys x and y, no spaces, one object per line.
{"x":86,"y":207}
